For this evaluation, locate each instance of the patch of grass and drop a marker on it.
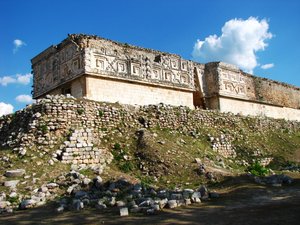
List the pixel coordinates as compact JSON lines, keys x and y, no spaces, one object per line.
{"x":257,"y":169}
{"x":146,"y":181}
{"x":87,"y":172}
{"x":127,"y":166}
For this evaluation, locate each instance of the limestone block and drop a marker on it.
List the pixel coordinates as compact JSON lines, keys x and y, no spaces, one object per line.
{"x":15,"y":173}
{"x":124,"y":211}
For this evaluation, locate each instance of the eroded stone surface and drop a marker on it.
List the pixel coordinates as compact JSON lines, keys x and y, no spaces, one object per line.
{"x":156,"y":77}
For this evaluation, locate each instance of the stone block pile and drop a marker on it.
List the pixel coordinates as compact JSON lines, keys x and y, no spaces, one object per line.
{"x":79,"y":149}
{"x":222,"y":145}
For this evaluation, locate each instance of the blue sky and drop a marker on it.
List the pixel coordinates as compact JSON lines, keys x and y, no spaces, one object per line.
{"x":264,"y":32}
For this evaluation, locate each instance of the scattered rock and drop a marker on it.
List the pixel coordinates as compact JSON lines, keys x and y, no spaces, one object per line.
{"x":27,"y":203}
{"x":11,"y":183}
{"x":60,"y":209}
{"x":124,"y":211}
{"x":4,"y":204}
{"x":198,"y":161}
{"x":172,"y":204}
{"x":15,"y":173}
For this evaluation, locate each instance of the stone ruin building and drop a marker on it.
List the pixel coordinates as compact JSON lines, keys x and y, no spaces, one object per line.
{"x":103,"y":70}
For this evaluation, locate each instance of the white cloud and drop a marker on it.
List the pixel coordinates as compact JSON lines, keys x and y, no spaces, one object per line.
{"x":5,"y":108}
{"x":267,"y":66}
{"x":18,"y":44}
{"x":17,"y":79}
{"x":238,"y":43}
{"x":7,"y":80}
{"x":24,"y":79}
{"x":24,"y":99}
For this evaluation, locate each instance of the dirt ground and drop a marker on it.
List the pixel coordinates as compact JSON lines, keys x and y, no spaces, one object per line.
{"x":241,"y":202}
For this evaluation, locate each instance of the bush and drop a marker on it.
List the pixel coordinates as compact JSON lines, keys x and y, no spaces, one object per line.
{"x":13,"y":199}
{"x":257,"y":169}
{"x":43,"y":128}
{"x":117,"y":146}
{"x":126,"y":167}
{"x":100,"y":113}
{"x":80,"y":111}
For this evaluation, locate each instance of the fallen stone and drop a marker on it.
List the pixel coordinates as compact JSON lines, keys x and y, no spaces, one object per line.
{"x":52,"y":185}
{"x":198,"y":161}
{"x":145,"y":203}
{"x":11,"y":183}
{"x":172,"y":204}
{"x":180,"y":202}
{"x":4,"y":204}
{"x":43,"y":189}
{"x":2,"y":196}
{"x":15,"y":173}
{"x":120,"y":203}
{"x":156,"y":207}
{"x":112,"y":201}
{"x":22,"y":152}
{"x":9,"y":210}
{"x":100,"y":205}
{"x":60,"y":209}
{"x":86,"y":181}
{"x":163,"y":202}
{"x":124,"y":211}
{"x":187,"y":201}
{"x":27,"y":203}
{"x":13,"y":194}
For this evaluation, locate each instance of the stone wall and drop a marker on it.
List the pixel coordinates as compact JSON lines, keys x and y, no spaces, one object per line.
{"x":82,"y":54}
{"x":56,"y":66}
{"x":237,"y":106}
{"x":105,"y":57}
{"x":99,"y":69}
{"x":107,"y":90}
{"x":74,"y":129}
{"x":237,"y":92}
{"x":234,"y":83}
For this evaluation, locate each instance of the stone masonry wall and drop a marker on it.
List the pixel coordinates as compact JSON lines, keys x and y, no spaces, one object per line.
{"x":98,"y":69}
{"x":104,"y":89}
{"x":73,"y":129}
{"x":234,"y":83}
{"x":84,"y":54}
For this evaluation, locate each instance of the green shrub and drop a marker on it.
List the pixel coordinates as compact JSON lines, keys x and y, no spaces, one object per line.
{"x":100,"y":113}
{"x":126,"y":166}
{"x":80,"y":111}
{"x":13,"y":199}
{"x":117,"y":146}
{"x":257,"y":169}
{"x":43,"y":128}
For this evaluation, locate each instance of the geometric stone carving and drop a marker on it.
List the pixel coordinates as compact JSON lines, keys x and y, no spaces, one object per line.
{"x":135,"y":69}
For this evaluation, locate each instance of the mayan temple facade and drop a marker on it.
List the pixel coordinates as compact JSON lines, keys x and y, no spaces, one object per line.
{"x":102,"y":70}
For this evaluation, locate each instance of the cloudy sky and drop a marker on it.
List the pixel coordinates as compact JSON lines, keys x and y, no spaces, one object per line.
{"x":259,"y":36}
